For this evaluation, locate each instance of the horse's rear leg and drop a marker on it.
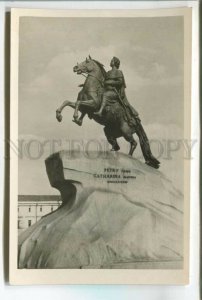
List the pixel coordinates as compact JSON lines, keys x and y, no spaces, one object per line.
{"x":111,"y":139}
{"x":128,"y":136}
{"x":133,"y":145}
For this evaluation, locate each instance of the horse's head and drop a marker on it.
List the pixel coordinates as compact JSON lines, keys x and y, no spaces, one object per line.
{"x":86,"y":66}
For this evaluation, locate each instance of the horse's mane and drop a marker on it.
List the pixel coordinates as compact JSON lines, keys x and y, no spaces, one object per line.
{"x":101,"y":66}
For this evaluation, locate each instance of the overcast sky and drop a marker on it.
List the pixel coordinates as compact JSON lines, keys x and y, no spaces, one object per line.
{"x":151,"y":54}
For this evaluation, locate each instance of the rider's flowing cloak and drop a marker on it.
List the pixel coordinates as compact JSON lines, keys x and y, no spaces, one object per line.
{"x":131,"y":112}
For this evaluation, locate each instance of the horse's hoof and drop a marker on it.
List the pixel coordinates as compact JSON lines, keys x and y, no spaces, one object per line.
{"x":58,"y":116}
{"x":153,"y":165}
{"x":78,"y":122}
{"x":115,"y":148}
{"x":132,"y":149}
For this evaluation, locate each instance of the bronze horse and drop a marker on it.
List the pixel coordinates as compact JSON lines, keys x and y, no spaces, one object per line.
{"x":89,"y":101}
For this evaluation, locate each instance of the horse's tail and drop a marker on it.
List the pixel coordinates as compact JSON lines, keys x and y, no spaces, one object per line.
{"x":145,"y":146}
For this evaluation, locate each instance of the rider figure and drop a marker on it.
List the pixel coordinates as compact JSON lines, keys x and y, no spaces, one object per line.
{"x":114,"y":87}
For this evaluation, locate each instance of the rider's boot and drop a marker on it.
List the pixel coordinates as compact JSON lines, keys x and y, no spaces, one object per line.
{"x":99,"y":113}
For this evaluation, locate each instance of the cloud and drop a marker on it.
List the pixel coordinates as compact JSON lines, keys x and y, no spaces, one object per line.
{"x":57,"y":75}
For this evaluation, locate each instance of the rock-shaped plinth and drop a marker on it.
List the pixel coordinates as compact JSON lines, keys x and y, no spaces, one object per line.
{"x":117,"y":212}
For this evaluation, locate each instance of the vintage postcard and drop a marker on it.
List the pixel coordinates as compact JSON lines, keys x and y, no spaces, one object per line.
{"x":100,"y":146}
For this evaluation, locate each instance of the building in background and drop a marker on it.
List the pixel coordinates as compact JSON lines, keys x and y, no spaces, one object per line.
{"x":32,"y":207}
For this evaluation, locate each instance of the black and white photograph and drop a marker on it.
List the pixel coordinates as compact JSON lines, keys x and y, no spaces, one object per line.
{"x":101,"y":145}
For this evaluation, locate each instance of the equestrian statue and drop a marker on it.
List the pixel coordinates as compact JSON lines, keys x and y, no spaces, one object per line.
{"x":102,"y":97}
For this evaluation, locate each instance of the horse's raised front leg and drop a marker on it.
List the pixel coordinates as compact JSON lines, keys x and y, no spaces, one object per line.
{"x":76,"y":111}
{"x":60,"y":109}
{"x":85,"y":103}
{"x":89,"y":103}
{"x":79,"y":120}
{"x":81,"y":96}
